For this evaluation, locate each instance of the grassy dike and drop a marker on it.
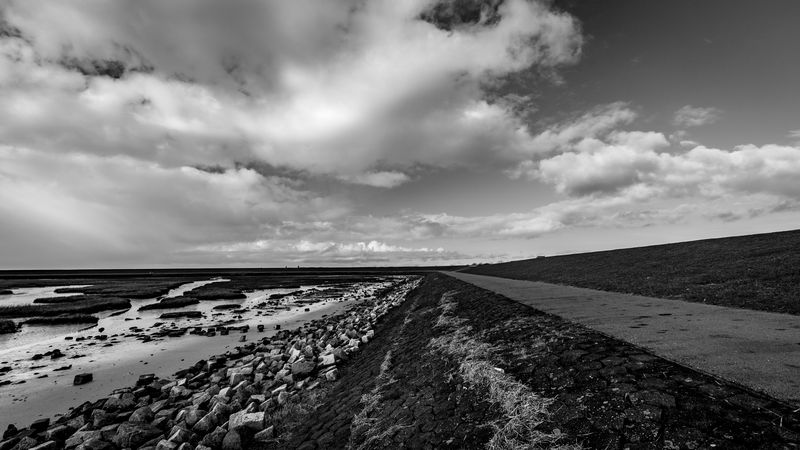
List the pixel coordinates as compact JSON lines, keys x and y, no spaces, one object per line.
{"x":460,"y":367}
{"x":753,"y":272}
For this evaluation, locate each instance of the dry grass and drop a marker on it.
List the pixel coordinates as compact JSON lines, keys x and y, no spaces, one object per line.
{"x":522,"y":408}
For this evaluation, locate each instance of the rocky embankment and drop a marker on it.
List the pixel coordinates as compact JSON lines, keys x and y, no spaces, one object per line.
{"x":227,"y":402}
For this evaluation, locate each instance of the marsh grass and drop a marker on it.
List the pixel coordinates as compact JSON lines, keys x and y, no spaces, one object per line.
{"x":61,"y":320}
{"x":85,"y":306}
{"x":523,"y":410}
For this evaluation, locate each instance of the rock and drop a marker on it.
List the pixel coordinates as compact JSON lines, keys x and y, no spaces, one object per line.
{"x":95,"y":444}
{"x":146,"y":379}
{"x":302,"y":368}
{"x":79,"y":437}
{"x":166,"y":445}
{"x":265,"y":434}
{"x":332,"y":375}
{"x":232,"y":441}
{"x":82,"y":378}
{"x":327,"y":360}
{"x":282,"y":397}
{"x":133,"y":435}
{"x":120,"y":402}
{"x":57,"y":433}
{"x":243,"y":419}
{"x":49,"y":445}
{"x":215,"y":438}
{"x":11,"y":430}
{"x":100,"y":418}
{"x":204,"y":425}
{"x":26,"y":443}
{"x":142,"y":415}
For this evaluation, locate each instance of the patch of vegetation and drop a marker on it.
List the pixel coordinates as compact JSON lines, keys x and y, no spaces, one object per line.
{"x":172,"y":302}
{"x":61,"y":320}
{"x":85,"y":306}
{"x":7,"y":326}
{"x":753,"y":272}
{"x":65,"y":299}
{"x":524,"y":411}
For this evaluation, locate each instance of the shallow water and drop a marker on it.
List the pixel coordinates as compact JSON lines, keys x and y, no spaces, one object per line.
{"x":120,"y":327}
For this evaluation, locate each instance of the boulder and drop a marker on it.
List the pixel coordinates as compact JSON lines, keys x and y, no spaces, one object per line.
{"x":79,"y":437}
{"x":40,"y":425}
{"x":302,"y":368}
{"x":142,"y":415}
{"x":82,"y":378}
{"x":242,"y":419}
{"x":133,"y":435}
{"x":232,"y":441}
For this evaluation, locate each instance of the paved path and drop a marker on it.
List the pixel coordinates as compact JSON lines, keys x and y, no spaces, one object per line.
{"x":758,"y":349}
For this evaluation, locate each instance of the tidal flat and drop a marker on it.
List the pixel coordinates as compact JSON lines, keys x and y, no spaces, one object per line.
{"x":166,"y":325}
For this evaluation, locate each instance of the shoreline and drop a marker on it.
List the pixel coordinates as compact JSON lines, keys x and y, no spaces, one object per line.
{"x":21,"y":404}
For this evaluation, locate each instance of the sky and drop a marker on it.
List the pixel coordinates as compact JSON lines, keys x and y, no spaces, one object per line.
{"x":269,"y":133}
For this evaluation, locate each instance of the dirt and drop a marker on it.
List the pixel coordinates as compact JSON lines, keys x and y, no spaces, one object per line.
{"x":753,"y":272}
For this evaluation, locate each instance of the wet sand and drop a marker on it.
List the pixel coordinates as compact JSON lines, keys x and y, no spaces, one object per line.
{"x":21,"y":404}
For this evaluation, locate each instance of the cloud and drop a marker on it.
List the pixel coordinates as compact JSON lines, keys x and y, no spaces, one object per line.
{"x":339,"y":88}
{"x":692,"y":116}
{"x":559,"y":137}
{"x":81,"y":206}
{"x":378,"y":179}
{"x":643,"y":163}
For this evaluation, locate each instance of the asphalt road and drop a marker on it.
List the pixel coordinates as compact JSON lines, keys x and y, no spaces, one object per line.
{"x":760,"y":350}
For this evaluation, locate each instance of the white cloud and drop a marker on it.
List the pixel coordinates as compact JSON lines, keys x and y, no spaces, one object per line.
{"x":694,"y":116}
{"x":388,"y":179}
{"x":82,"y":205}
{"x":337,"y":88}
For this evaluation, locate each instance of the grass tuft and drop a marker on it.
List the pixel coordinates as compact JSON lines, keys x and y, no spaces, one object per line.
{"x":524,"y":411}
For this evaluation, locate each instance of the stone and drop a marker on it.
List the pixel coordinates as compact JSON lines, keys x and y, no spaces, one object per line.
{"x":79,"y":437}
{"x":215,"y":438}
{"x":57,"y":433}
{"x":302,"y":368}
{"x":282,"y":397}
{"x":40,"y":425}
{"x":82,"y":378}
{"x":146,"y":379}
{"x":265,"y":434}
{"x":327,"y":360}
{"x":133,"y":435}
{"x":95,"y":444}
{"x":142,"y":415}
{"x":49,"y":445}
{"x":204,"y":425}
{"x":26,"y":443}
{"x":165,"y":444}
{"x":122,"y":402}
{"x":242,"y":419}
{"x":11,"y":430}
{"x":232,"y":441}
{"x":332,"y":375}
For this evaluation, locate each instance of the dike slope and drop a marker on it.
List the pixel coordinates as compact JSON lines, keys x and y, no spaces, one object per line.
{"x":752,"y":272}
